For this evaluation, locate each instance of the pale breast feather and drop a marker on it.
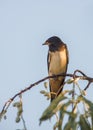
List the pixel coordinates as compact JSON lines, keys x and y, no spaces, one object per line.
{"x":57,"y":62}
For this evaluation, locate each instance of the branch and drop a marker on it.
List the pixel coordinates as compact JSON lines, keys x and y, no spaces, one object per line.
{"x":74,"y":76}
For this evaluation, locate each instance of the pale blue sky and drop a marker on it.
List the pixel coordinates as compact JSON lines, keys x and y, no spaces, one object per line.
{"x":24,"y":26}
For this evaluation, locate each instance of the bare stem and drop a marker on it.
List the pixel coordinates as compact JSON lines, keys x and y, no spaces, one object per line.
{"x":83,"y":77}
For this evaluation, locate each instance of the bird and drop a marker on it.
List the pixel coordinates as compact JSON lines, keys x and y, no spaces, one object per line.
{"x":57,"y":63}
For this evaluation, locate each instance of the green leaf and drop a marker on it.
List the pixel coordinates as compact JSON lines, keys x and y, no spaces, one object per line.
{"x":42,"y":91}
{"x":5,"y":117}
{"x":70,"y":81}
{"x":16,"y":104}
{"x":17,"y":119}
{"x":19,"y":107}
{"x":90,"y":108}
{"x":20,"y":110}
{"x":2,"y":114}
{"x":84,"y":125}
{"x":46,"y":85}
{"x":62,"y":114}
{"x":50,"y":111}
{"x":71,"y":124}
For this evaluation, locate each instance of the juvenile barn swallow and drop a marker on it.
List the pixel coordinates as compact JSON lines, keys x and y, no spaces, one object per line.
{"x":57,"y":62}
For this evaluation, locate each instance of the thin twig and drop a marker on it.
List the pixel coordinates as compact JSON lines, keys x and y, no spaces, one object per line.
{"x":87,"y":86}
{"x":23,"y":122}
{"x":84,"y":77}
{"x":79,"y":71}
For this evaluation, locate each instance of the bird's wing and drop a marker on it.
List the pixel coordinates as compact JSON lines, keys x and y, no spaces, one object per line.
{"x":48,"y":65}
{"x":48,"y":61}
{"x":63,"y":79}
{"x":67,"y":53}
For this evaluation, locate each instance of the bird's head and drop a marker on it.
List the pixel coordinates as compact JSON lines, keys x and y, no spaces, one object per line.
{"x":53,"y":42}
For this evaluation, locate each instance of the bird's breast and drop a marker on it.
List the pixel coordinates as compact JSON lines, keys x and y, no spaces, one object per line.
{"x":58,"y":62}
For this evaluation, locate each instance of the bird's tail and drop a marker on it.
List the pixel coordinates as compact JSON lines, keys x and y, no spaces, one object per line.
{"x":54,"y":95}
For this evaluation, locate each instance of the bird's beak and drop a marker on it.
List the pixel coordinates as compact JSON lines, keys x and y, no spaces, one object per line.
{"x":46,"y":43}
